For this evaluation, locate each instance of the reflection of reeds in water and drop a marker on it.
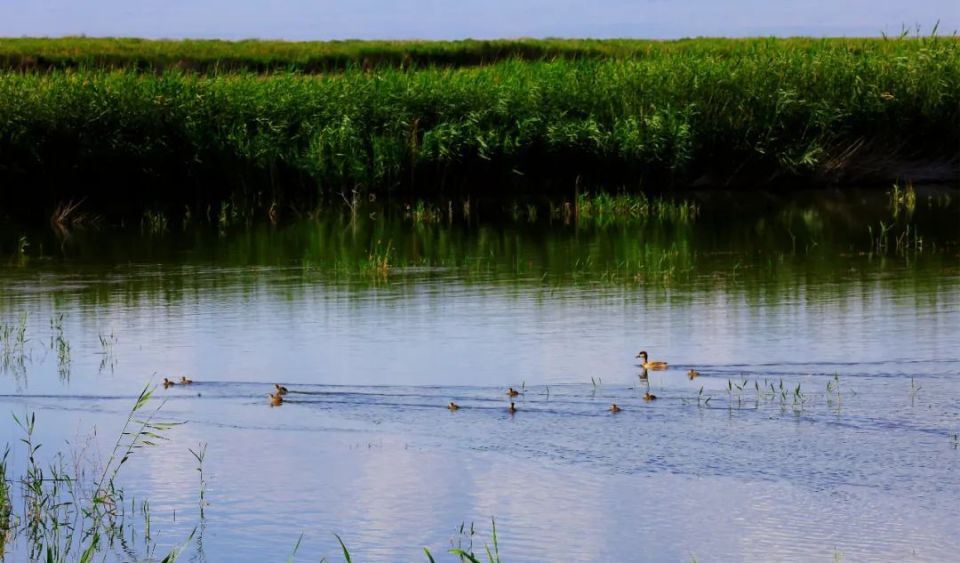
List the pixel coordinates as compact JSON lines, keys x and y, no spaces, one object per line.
{"x":59,"y":343}
{"x":907,"y":240}
{"x":601,"y":210}
{"x":66,"y":214}
{"x":13,"y":350}
{"x":423,"y":212}
{"x":108,"y":359}
{"x":21,"y":255}
{"x":154,"y":222}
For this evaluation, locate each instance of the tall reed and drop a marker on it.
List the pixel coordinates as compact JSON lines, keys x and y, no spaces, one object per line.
{"x":704,"y":112}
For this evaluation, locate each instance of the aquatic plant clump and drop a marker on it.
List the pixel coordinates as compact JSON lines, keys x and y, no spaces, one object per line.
{"x":699,"y":113}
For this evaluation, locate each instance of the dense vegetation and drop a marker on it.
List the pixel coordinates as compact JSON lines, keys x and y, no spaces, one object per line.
{"x":665,"y":115}
{"x":212,"y":56}
{"x":215,"y":56}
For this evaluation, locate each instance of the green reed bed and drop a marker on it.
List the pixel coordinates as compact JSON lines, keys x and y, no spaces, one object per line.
{"x":212,"y":56}
{"x":717,"y":113}
{"x":216,"y":56}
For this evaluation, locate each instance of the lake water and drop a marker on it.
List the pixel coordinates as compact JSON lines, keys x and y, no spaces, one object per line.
{"x":859,"y":462}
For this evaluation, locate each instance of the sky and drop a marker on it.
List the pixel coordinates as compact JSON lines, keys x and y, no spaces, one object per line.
{"x":458,"y":19}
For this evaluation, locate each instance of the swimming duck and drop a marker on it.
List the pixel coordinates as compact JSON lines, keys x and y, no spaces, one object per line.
{"x":647,"y":364}
{"x":511,"y":392}
{"x":275,"y":399}
{"x":281,"y":390}
{"x":453,"y":406}
{"x":512,"y":408}
{"x":185,"y":381}
{"x":648,"y":396}
{"x":693,"y":373}
{"x":614,"y":408}
{"x":167,"y":383}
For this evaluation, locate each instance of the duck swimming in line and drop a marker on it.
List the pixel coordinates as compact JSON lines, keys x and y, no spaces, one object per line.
{"x":185,"y":381}
{"x":511,"y":392}
{"x":693,"y":373}
{"x":648,"y":396}
{"x":512,"y":408}
{"x":453,"y":406}
{"x":275,"y":399}
{"x":167,"y":383}
{"x":647,"y":364}
{"x":614,"y":408}
{"x":281,"y":390}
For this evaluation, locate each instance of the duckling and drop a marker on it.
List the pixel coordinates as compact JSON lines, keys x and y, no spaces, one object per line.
{"x":281,"y":390}
{"x":614,"y":408}
{"x":647,"y":364}
{"x":512,"y":408}
{"x":185,"y":381}
{"x":511,"y":392}
{"x":275,"y":399}
{"x":648,"y":396}
{"x":167,"y":383}
{"x":693,"y":373}
{"x":453,"y":406}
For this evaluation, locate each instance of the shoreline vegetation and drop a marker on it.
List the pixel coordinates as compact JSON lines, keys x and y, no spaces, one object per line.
{"x":273,"y":128}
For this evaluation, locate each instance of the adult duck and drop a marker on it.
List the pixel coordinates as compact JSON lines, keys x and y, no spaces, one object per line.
{"x":646,"y":363}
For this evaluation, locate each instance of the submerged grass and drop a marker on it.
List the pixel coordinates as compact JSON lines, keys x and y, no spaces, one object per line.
{"x":700,"y":112}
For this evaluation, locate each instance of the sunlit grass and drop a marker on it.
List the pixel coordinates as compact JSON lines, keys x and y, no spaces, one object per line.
{"x":665,"y":115}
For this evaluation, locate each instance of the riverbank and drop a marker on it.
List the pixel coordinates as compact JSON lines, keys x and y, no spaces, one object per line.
{"x":651,"y":116}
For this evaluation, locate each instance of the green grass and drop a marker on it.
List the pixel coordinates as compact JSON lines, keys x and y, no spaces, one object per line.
{"x":756,"y":112}
{"x":216,"y":56}
{"x":212,"y":56}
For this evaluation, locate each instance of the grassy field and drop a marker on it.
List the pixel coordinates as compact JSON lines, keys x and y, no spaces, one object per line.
{"x":210,"y":56}
{"x":542,"y":117}
{"x":215,"y":56}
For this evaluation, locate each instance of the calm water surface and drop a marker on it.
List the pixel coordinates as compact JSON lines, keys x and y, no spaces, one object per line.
{"x":792,"y":294}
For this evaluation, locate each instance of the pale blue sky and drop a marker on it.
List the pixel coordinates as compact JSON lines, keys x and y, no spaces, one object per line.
{"x":453,"y":19}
